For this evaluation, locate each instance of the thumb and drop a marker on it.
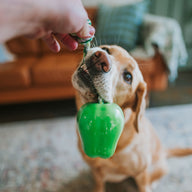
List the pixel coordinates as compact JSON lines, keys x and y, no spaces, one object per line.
{"x":86,"y":31}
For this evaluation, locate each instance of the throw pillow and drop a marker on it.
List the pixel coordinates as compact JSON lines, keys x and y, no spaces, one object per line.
{"x":120,"y":25}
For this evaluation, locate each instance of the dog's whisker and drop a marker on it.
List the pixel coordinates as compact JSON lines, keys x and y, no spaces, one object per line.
{"x":93,"y":42}
{"x":105,"y":41}
{"x":118,"y":38}
{"x":92,"y":45}
{"x":96,"y":41}
{"x":115,"y":40}
{"x":100,"y":41}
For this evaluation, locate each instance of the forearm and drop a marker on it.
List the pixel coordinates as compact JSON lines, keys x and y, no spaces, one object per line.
{"x":15,"y":16}
{"x":37,"y":17}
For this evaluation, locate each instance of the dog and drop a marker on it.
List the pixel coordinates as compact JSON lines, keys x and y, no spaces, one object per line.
{"x":111,"y":73}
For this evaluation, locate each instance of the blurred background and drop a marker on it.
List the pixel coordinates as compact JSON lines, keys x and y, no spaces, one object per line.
{"x":38,"y":149}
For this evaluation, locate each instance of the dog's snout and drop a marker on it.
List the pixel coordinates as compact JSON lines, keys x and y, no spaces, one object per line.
{"x":101,"y":62}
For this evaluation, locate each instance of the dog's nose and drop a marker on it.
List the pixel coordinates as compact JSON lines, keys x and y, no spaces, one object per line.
{"x":101,"y":62}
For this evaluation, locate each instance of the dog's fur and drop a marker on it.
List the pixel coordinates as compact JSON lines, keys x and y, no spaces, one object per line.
{"x":139,"y":153}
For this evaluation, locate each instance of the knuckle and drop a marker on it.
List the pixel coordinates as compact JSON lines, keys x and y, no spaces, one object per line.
{"x":76,"y":21}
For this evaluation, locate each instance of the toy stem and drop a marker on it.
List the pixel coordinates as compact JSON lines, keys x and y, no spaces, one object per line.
{"x":100,"y":100}
{"x":86,"y":47}
{"x":84,"y":41}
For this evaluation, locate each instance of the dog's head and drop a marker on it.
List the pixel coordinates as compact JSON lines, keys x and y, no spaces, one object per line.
{"x":111,"y":73}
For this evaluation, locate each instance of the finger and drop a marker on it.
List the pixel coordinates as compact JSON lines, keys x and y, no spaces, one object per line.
{"x":68,"y":41}
{"x":52,"y":42}
{"x":87,"y":31}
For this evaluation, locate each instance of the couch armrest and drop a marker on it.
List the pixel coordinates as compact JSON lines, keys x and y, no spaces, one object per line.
{"x":154,"y":71}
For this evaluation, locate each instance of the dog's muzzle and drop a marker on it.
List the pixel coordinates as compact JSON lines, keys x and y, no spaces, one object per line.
{"x":99,"y":63}
{"x":94,"y":74}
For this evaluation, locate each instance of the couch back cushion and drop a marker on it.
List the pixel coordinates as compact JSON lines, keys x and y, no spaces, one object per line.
{"x":120,"y":25}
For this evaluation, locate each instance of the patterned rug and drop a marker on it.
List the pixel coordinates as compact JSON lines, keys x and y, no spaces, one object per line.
{"x":41,"y":155}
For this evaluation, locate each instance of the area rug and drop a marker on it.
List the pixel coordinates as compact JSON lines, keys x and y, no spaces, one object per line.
{"x":42,"y":155}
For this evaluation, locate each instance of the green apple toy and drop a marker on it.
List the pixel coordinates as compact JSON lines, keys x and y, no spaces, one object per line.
{"x":100,"y":126}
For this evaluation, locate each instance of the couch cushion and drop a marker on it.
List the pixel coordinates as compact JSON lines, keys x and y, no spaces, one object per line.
{"x":55,"y":69}
{"x":22,"y":46}
{"x":16,"y":74}
{"x":120,"y":25}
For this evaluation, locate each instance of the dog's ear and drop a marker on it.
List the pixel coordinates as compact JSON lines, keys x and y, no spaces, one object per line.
{"x":140,"y":104}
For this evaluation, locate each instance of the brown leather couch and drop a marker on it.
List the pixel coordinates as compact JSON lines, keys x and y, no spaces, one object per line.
{"x":37,"y":74}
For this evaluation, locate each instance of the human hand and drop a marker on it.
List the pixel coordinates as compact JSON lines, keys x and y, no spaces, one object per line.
{"x":66,"y":17}
{"x":49,"y":20}
{"x":69,"y":41}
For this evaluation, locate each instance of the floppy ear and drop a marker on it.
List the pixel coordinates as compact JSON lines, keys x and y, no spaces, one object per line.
{"x":140,"y":104}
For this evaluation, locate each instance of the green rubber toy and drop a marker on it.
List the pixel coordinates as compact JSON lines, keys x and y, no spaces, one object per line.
{"x":100,"y":126}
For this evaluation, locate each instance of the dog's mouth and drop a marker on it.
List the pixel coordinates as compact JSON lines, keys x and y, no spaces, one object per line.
{"x":84,"y":76}
{"x":93,"y":77}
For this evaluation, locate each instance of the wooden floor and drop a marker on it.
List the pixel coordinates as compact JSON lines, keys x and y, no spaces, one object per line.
{"x":178,"y":93}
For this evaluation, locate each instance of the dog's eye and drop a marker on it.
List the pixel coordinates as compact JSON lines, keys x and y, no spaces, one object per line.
{"x":106,"y":49}
{"x":127,"y":77}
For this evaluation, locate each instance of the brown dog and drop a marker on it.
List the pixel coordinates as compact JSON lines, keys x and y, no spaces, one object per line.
{"x":111,"y":73}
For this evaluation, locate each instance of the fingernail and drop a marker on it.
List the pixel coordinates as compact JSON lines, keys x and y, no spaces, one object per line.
{"x":87,"y":32}
{"x":91,"y":31}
